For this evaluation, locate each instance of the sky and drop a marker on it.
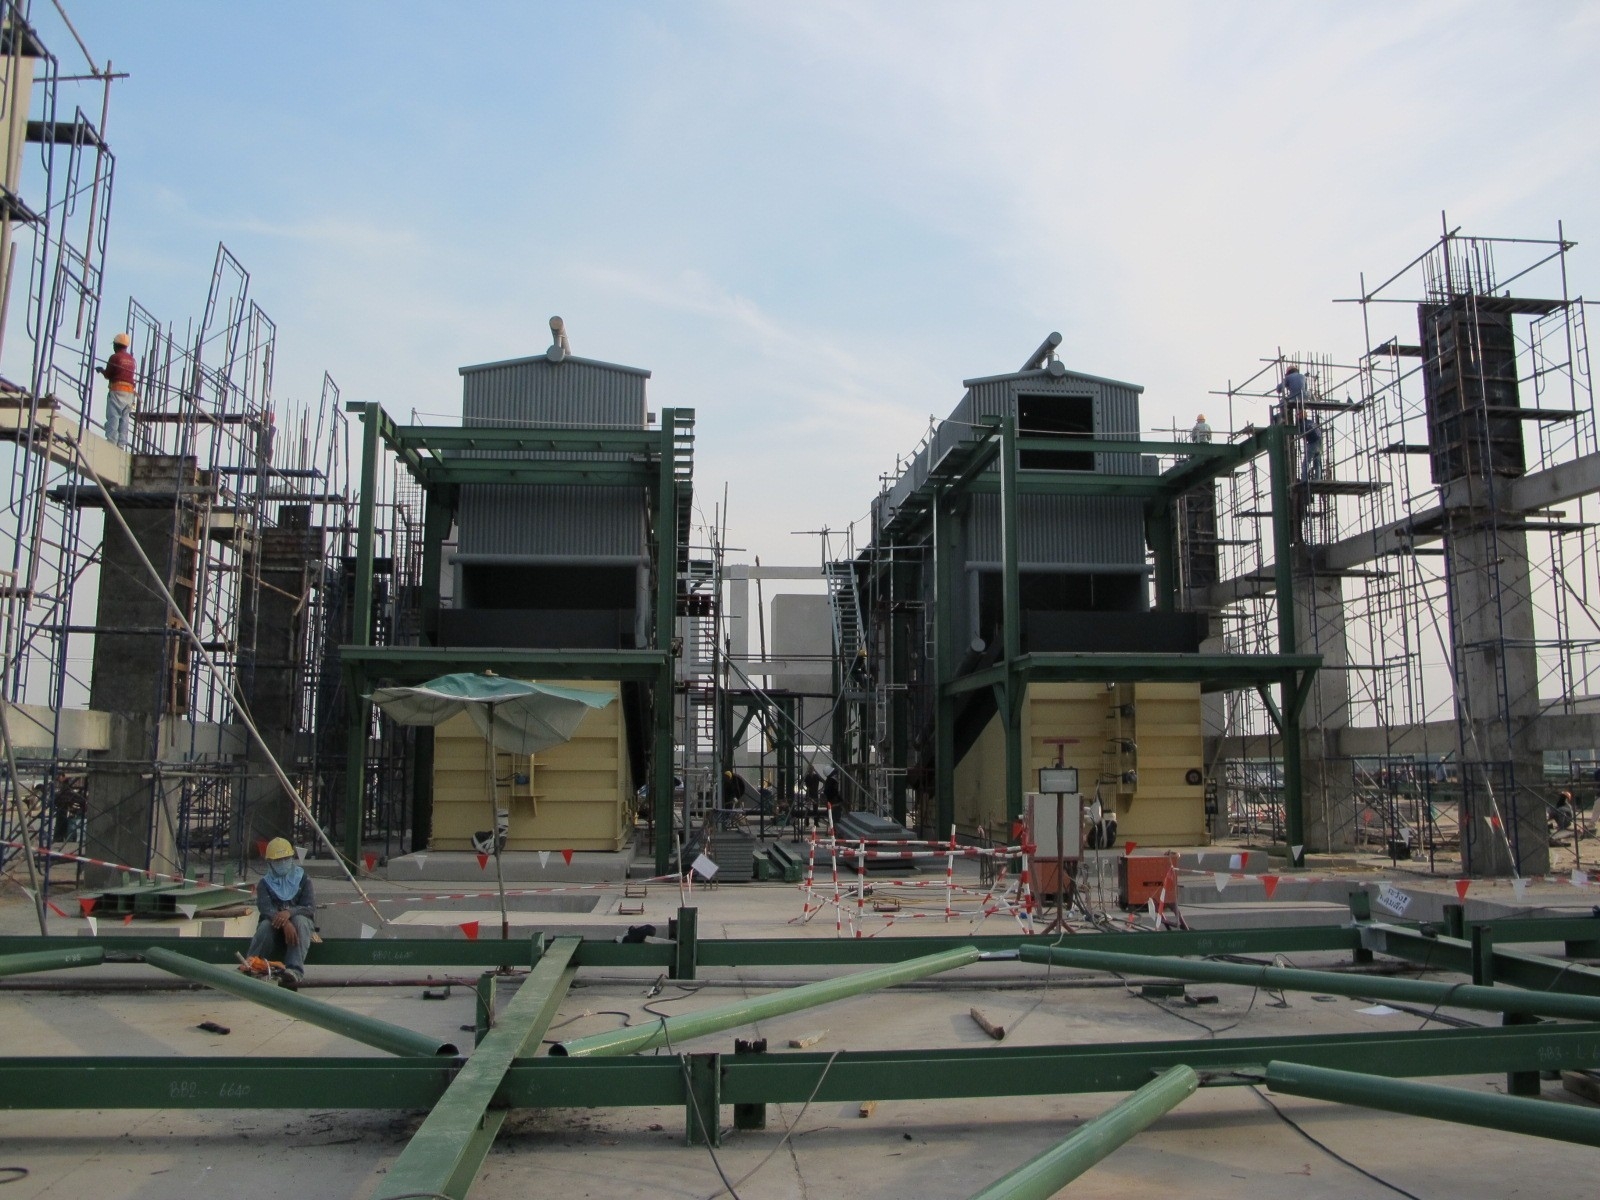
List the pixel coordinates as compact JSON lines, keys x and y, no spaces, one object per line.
{"x":812,"y":221}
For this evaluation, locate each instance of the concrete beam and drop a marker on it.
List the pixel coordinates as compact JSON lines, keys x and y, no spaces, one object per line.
{"x":83,"y":731}
{"x":1553,"y":732}
{"x":1555,"y":485}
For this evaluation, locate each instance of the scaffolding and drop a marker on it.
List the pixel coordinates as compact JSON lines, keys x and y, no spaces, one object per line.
{"x":1446,"y":533}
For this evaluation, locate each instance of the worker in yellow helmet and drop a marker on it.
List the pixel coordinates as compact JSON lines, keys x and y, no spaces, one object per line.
{"x":287,"y":906}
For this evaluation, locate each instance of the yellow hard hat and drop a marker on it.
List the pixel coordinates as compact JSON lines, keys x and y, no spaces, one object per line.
{"x":122,"y":339}
{"x":1201,"y":417}
{"x":278,"y":848}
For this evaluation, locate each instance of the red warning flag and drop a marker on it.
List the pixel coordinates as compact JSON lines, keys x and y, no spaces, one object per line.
{"x":483,"y":861}
{"x":470,"y":928}
{"x":87,"y":903}
{"x":1129,"y":847}
{"x":1269,"y":884}
{"x":567,"y":855}
{"x":1461,"y":888}
{"x":371,"y":860}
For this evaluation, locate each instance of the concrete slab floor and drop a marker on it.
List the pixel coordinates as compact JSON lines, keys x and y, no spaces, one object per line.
{"x":1223,"y":1142}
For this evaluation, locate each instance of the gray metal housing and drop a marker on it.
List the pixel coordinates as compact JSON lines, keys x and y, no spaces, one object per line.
{"x":1094,"y":535}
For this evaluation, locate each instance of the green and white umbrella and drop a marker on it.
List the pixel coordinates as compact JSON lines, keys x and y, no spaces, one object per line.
{"x":512,"y":714}
{"x":516,"y":716}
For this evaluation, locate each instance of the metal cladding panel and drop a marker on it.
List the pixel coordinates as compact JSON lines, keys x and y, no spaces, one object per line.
{"x":549,"y":520}
{"x":1116,"y":415}
{"x":539,"y":392}
{"x":1088,"y":532}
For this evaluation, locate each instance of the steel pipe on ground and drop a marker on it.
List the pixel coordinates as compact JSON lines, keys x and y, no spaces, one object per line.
{"x":1409,"y":991}
{"x":1513,"y":1114}
{"x":367,"y":1030}
{"x":1046,"y":1174}
{"x":50,"y":960}
{"x":743,"y":1012}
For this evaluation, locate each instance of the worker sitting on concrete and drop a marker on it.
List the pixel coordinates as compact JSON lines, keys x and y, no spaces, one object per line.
{"x":287,"y":905}
{"x":121,"y":370}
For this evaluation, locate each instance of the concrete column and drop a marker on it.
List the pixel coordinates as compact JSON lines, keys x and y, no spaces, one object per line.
{"x":1329,"y":789}
{"x":1497,"y":694}
{"x":272,"y":640}
{"x":140,"y":668}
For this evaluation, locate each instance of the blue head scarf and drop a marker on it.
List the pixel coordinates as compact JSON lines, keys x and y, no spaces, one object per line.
{"x":284,"y":884}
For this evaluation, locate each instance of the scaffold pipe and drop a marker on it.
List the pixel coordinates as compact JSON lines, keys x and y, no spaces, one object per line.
{"x":367,"y":1030}
{"x":1409,"y":991}
{"x":1046,"y":1174}
{"x":1511,"y":1114}
{"x":50,"y":960}
{"x":730,"y":1016}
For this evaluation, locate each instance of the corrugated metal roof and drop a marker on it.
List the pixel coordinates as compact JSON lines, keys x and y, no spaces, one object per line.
{"x":541,"y":358}
{"x":1044,"y":374}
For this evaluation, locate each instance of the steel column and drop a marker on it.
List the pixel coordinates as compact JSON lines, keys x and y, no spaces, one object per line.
{"x":50,"y":960}
{"x":744,"y":1012}
{"x":1016,"y":686}
{"x":359,"y":710}
{"x":445,"y":1154}
{"x":943,"y":615}
{"x":1560,"y":1122}
{"x":1046,"y":1174}
{"x":1411,"y":991}
{"x":367,"y":1030}
{"x":666,"y":608}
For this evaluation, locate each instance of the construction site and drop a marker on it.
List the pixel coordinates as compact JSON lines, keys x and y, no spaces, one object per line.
{"x":1217,"y":799}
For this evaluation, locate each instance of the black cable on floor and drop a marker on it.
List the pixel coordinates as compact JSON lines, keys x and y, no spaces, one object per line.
{"x":1328,"y":1150}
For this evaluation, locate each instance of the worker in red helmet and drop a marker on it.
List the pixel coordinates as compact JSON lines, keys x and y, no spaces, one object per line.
{"x":121,"y":371}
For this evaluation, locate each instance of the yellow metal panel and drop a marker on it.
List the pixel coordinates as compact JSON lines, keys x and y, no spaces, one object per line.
{"x":1160,"y":809}
{"x":576,"y":796}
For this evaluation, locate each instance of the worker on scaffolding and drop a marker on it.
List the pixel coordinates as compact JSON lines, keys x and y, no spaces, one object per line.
{"x":121,"y":370}
{"x":1201,"y":433}
{"x":1293,"y":387}
{"x":1311,"y":459}
{"x":286,"y":905}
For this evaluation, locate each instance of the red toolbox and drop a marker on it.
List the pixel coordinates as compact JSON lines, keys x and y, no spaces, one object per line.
{"x":1139,"y":880}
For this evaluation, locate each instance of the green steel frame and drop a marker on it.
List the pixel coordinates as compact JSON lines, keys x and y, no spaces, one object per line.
{"x":468,"y":1097}
{"x":988,"y":463}
{"x":659,"y":461}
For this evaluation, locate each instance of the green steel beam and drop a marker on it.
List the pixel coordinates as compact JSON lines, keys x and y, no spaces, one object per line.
{"x":1504,"y":966}
{"x":357,"y":1026}
{"x":442,"y":438}
{"x":55,"y":1082}
{"x":1411,"y":991}
{"x":405,"y":953}
{"x":27,"y":962}
{"x":1046,"y":1174}
{"x":330,"y":952}
{"x":445,"y":1154}
{"x":1065,"y":483}
{"x":414,"y":664}
{"x":744,"y":1012}
{"x":1237,"y":670}
{"x":521,"y":471}
{"x":128,"y":1082}
{"x":1199,"y":451}
{"x":1510,"y":1114}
